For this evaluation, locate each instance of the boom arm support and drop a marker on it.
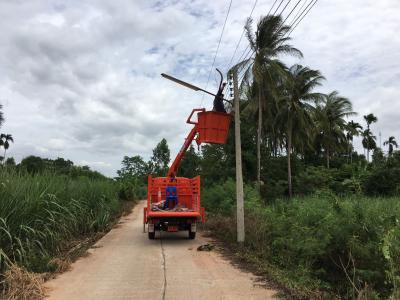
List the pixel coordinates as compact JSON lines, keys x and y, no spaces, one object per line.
{"x":175,"y":165}
{"x":189,"y":139}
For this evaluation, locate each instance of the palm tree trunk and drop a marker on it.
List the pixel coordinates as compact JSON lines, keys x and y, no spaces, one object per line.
{"x":259,"y":141}
{"x":351,"y":153}
{"x":4,"y":156}
{"x":327,"y":157}
{"x":289,"y":166}
{"x":348,"y":157}
{"x":368,"y":143}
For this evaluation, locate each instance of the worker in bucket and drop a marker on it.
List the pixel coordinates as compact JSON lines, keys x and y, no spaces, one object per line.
{"x":219,"y":100}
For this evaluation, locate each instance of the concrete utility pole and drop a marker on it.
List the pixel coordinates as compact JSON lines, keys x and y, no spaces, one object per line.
{"x":238,"y":153}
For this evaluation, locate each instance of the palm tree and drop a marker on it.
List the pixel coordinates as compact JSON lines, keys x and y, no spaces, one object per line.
{"x":370,"y":118}
{"x":330,"y":117}
{"x":5,"y":140}
{"x":391,"y":142}
{"x":368,"y":141}
{"x":353,"y":129}
{"x":267,"y":43}
{"x":1,"y":115}
{"x":296,"y":107}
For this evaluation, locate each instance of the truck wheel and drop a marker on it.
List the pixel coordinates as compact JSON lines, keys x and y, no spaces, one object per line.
{"x":192,"y":235}
{"x":152,"y":235}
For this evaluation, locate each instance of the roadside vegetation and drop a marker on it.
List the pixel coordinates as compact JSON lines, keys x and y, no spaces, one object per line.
{"x":322,"y":220}
{"x":51,"y":211}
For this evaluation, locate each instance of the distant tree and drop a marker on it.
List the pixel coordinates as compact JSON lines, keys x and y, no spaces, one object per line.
{"x":61,"y":165}
{"x":368,"y":141}
{"x":268,"y":42}
{"x":10,"y":162}
{"x":330,"y":117}
{"x":391,"y":142}
{"x":352,"y":129}
{"x":32,"y":164}
{"x":161,"y":158}
{"x":369,"y":119}
{"x":5,"y":140}
{"x":296,"y":108}
{"x":190,"y":164}
{"x":1,"y":115}
{"x":134,"y":167}
{"x":378,"y":159}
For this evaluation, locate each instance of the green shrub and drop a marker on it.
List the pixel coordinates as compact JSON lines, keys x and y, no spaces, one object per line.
{"x":313,"y":179}
{"x":383,"y":182}
{"x":131,"y":189}
{"x":338,"y":245}
{"x":221,"y":198}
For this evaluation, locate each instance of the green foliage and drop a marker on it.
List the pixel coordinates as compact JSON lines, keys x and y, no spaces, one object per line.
{"x":190,"y":164}
{"x":215,"y":164}
{"x":131,"y":188}
{"x":221,"y":197}
{"x":160,"y":159}
{"x":10,"y":162}
{"x":40,"y":212}
{"x":134,"y":167}
{"x":33,"y":164}
{"x":384,"y":181}
{"x":323,"y":242}
{"x":60,"y":166}
{"x":313,"y":179}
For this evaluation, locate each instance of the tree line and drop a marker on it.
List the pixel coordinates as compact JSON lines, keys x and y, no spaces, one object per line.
{"x":291,"y":117}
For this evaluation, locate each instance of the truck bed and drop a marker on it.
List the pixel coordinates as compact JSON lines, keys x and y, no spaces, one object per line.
{"x":188,"y":191}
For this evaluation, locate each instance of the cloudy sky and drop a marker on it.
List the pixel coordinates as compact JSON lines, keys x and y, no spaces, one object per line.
{"x":80,"y":79}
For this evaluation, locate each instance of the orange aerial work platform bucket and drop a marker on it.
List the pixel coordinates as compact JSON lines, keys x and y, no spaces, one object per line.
{"x":213,"y":127}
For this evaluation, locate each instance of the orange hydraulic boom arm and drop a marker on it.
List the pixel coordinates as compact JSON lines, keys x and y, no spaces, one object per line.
{"x":189,"y":139}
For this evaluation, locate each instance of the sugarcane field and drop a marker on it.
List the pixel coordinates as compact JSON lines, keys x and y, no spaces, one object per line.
{"x":199,"y":149}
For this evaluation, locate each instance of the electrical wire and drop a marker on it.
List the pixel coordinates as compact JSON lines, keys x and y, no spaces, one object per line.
{"x":295,"y":16}
{"x":271,"y":7}
{"x":244,"y":30}
{"x":244,"y":51}
{"x":288,"y":34}
{"x":302,"y":17}
{"x":216,"y":52}
{"x":284,"y":8}
{"x":291,"y":12}
{"x":278,"y":7}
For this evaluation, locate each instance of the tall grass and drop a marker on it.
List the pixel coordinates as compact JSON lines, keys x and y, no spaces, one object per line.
{"x":343,"y":246}
{"x":38,"y":213}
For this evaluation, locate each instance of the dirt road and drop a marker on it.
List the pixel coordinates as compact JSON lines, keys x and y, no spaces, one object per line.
{"x":125,"y":264}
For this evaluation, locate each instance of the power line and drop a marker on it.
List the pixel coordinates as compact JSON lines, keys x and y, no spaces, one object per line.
{"x":241,"y":36}
{"x":278,"y":7}
{"x":288,"y":34}
{"x":244,"y":51}
{"x":295,"y":16}
{"x":299,"y":16}
{"x":291,"y":12}
{"x":272,"y":7}
{"x":284,"y":7}
{"x":216,"y":52}
{"x":302,"y":17}
{"x":274,"y":13}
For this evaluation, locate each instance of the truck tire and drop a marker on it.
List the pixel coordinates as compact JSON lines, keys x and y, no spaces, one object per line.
{"x":192,"y":235}
{"x":152,"y":235}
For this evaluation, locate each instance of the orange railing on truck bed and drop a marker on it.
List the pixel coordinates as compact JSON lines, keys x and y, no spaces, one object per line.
{"x":188,"y":192}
